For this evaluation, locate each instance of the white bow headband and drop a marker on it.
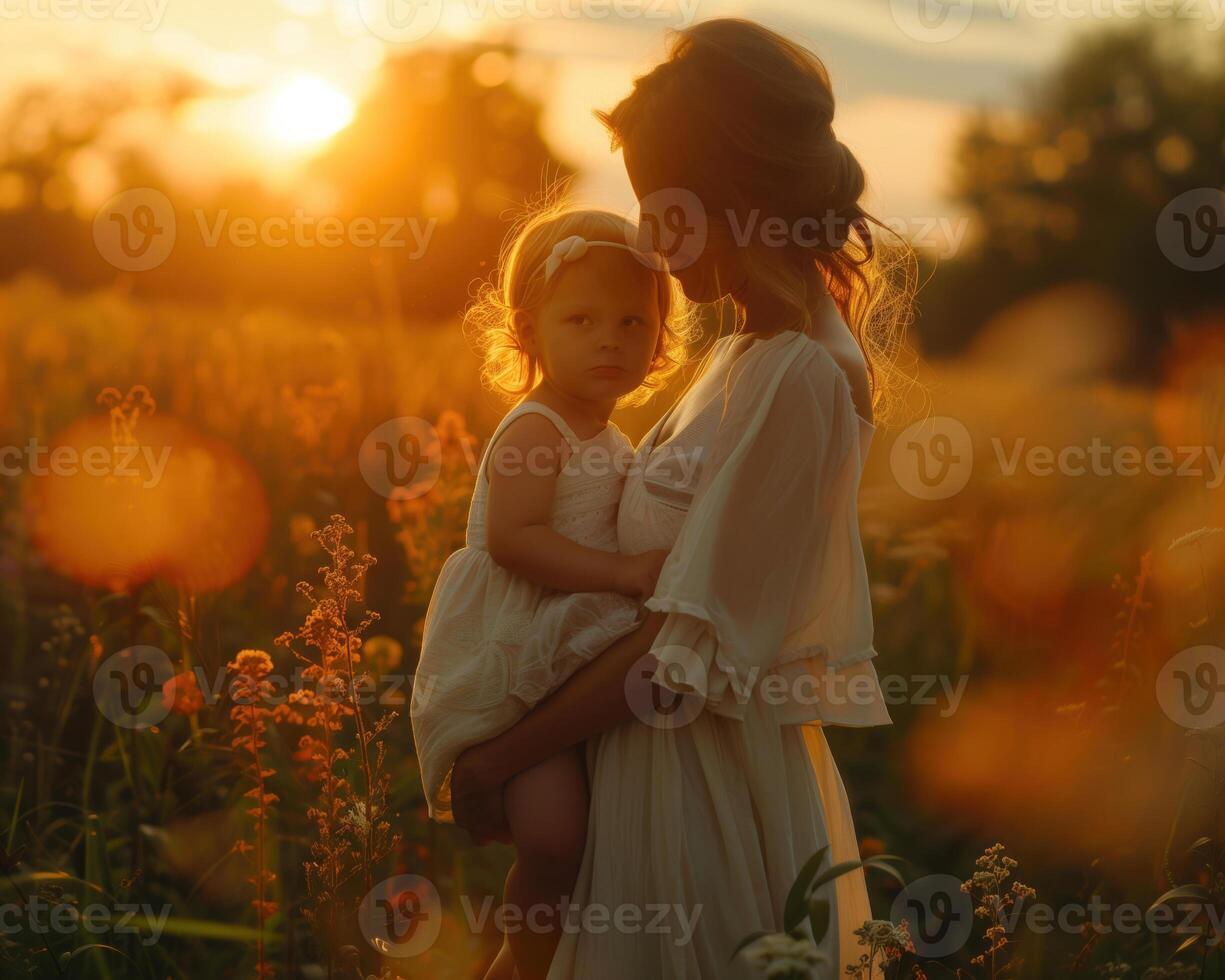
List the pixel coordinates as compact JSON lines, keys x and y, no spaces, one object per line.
{"x":575,"y":247}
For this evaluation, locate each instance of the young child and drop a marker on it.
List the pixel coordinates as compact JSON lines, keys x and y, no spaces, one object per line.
{"x":581,"y":322}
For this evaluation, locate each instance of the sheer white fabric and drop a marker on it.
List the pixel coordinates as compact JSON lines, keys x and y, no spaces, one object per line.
{"x":768,"y":572}
{"x":765,"y":580}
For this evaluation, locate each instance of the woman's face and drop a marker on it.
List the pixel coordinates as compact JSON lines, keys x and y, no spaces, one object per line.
{"x":699,"y":246}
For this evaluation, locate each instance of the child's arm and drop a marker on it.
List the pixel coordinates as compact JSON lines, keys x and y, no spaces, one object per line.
{"x":523,"y":470}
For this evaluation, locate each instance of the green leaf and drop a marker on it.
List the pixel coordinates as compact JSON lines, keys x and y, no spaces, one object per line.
{"x":97,"y":862}
{"x":8,"y":844}
{"x":1183,"y":891}
{"x":796,"y":908}
{"x":121,"y":599}
{"x":68,"y":957}
{"x":1188,"y":942}
{"x":818,"y":918}
{"x":205,"y":929}
{"x":837,"y":871}
{"x":157,"y":616}
{"x":882,"y":861}
{"x":57,"y":877}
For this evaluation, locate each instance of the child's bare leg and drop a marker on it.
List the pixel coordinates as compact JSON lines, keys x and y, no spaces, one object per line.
{"x":546,"y":807}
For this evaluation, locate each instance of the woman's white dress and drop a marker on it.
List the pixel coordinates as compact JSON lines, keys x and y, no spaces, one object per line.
{"x":495,"y":643}
{"x":769,"y":628}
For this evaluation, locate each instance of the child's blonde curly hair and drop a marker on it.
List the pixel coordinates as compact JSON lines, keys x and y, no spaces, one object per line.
{"x":518,"y":286}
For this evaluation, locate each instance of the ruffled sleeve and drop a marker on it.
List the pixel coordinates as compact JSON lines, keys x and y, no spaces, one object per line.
{"x":766,"y":586}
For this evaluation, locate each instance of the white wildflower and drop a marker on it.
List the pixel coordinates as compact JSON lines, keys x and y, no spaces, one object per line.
{"x":783,"y":957}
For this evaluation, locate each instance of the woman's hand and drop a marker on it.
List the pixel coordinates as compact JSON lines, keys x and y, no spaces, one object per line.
{"x":592,"y":701}
{"x":476,"y":799}
{"x":637,"y":575}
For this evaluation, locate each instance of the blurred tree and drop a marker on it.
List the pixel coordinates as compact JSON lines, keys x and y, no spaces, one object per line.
{"x":51,"y":134}
{"x":446,"y":139}
{"x":417,"y":191}
{"x":1072,"y":187}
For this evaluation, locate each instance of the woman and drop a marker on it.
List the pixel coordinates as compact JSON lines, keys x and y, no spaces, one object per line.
{"x":704,"y":809}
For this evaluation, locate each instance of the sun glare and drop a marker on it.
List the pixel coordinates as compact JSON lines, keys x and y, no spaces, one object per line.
{"x":306,"y":110}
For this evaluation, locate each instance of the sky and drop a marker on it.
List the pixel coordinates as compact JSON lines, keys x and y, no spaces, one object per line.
{"x":289,"y":70}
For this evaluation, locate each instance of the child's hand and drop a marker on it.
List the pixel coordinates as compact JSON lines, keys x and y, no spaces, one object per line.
{"x":637,"y":575}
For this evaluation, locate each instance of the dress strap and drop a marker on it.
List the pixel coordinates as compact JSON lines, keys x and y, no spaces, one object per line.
{"x":529,"y":408}
{"x":524,"y":408}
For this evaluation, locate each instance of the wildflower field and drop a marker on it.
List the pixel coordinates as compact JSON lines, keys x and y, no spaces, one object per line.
{"x":208,"y":770}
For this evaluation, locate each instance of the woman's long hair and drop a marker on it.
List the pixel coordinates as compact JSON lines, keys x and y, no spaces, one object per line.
{"x":743,"y":118}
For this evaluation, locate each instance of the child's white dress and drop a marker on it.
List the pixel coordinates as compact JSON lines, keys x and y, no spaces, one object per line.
{"x":495,"y":643}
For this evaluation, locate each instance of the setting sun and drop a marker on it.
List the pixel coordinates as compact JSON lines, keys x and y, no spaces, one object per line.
{"x":306,"y":110}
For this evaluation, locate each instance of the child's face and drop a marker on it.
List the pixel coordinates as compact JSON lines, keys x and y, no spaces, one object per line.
{"x":597,"y":333}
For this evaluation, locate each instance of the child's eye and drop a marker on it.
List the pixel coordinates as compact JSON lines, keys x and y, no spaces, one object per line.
{"x":581,"y":319}
{"x":634,"y":320}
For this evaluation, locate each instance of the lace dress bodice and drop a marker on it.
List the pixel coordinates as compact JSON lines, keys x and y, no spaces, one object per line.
{"x":588,"y":491}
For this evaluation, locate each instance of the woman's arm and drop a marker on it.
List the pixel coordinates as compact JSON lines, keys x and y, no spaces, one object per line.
{"x":523,"y":469}
{"x":593,"y":700}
